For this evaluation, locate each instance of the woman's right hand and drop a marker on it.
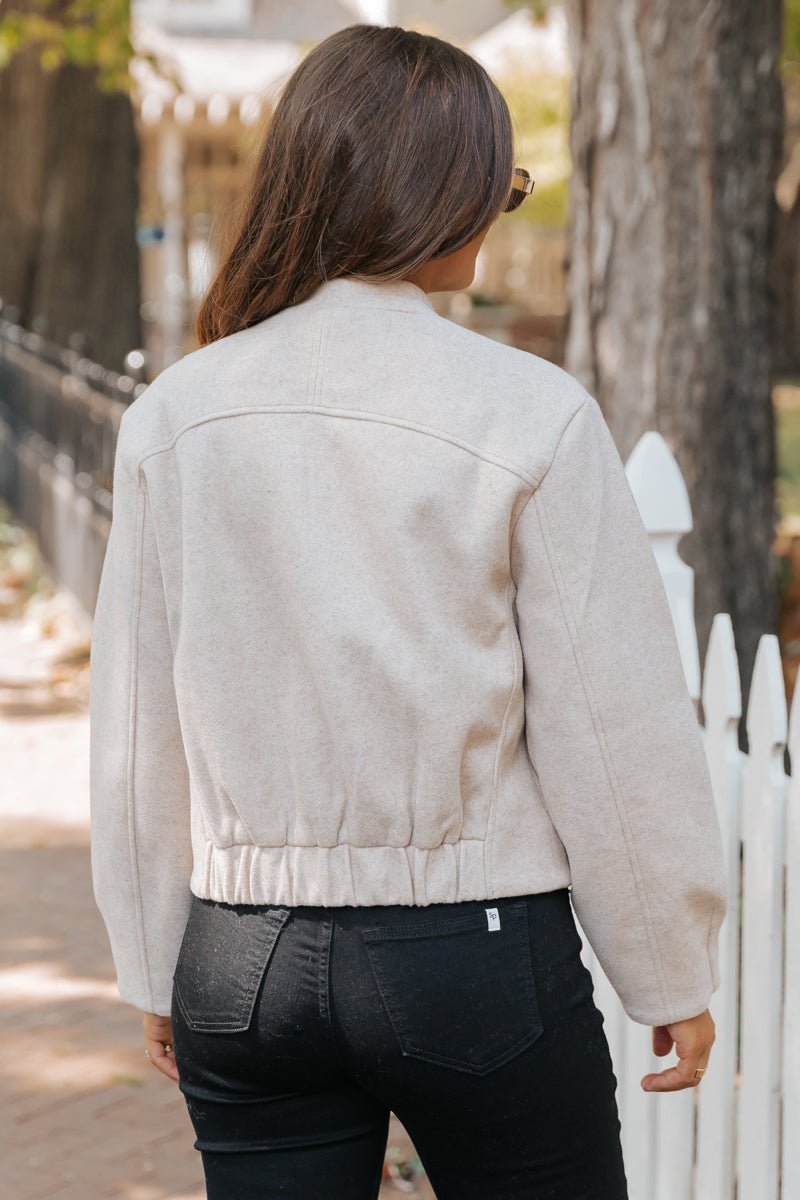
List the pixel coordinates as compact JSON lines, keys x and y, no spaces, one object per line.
{"x":693,"y":1039}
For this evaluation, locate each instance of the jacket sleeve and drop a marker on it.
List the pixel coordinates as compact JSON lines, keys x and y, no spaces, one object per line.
{"x":612,"y":732}
{"x":138,"y":778}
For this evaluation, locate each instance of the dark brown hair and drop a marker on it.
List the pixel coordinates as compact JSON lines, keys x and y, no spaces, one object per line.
{"x":386,"y":148}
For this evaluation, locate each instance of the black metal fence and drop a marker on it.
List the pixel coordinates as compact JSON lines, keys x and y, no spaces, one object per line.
{"x":59,"y":416}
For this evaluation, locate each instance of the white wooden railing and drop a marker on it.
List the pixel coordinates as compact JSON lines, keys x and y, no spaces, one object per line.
{"x":737,"y":1135}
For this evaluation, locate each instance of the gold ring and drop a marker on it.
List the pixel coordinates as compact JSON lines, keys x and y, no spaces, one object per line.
{"x":699,"y":1072}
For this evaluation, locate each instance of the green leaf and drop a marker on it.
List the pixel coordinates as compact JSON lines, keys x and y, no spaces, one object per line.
{"x":52,"y":57}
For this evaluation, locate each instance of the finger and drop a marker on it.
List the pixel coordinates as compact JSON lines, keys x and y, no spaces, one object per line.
{"x":691,"y":1054}
{"x":680,"y":1076}
{"x":163,"y":1060}
{"x":662,"y":1041}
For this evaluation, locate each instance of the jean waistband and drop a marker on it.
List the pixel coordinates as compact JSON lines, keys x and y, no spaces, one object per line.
{"x":398,"y":913}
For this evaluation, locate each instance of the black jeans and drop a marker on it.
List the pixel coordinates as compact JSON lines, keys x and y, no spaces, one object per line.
{"x":297,"y":1030}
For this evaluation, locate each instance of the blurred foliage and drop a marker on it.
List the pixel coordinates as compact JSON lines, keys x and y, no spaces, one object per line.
{"x":88,"y":33}
{"x":20,"y":564}
{"x":787,"y":416}
{"x":537,"y":8}
{"x":540,"y":116}
{"x":539,"y":107}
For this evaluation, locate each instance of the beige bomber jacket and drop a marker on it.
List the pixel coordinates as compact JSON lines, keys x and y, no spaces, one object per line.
{"x":379,"y":623}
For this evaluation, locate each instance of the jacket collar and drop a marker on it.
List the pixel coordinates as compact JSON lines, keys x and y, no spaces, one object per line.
{"x":348,"y":292}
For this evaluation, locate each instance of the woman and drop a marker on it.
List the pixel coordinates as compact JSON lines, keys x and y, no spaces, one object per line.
{"x":384,"y":680}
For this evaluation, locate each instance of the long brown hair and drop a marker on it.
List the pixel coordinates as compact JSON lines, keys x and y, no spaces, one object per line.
{"x":387,"y":148}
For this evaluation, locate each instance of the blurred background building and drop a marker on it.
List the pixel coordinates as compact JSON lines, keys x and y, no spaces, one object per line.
{"x":217,"y":68}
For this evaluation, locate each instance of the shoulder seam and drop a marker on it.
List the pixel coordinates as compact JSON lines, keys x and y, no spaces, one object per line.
{"x":352,"y":414}
{"x":579,"y":409}
{"x":549,"y":465}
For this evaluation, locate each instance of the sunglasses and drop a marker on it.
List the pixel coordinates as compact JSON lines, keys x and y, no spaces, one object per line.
{"x":521,"y":187}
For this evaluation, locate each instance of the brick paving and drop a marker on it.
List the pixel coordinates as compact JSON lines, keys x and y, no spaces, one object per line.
{"x":85,"y":1117}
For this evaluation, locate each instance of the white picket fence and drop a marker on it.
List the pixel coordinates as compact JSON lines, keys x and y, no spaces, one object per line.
{"x":737,"y":1135}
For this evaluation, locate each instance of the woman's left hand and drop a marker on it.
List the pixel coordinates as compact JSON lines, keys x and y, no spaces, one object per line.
{"x":158,"y":1035}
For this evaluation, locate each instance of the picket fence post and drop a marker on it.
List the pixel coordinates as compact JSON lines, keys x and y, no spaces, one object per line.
{"x":737,"y":1136}
{"x":722,"y":709}
{"x":790,"y":1133}
{"x":763,"y":829}
{"x":663,"y":502}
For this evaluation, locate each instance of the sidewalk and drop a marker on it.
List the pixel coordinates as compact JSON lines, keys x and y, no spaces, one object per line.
{"x":85,"y":1115}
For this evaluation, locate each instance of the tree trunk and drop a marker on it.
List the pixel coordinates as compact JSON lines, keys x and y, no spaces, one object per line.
{"x":68,"y":202}
{"x":677,"y":117}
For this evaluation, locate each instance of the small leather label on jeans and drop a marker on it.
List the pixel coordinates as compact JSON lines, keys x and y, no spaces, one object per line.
{"x":493,"y":918}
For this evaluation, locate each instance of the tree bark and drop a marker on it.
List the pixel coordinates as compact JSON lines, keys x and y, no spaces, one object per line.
{"x":677,"y":116}
{"x":68,"y":204}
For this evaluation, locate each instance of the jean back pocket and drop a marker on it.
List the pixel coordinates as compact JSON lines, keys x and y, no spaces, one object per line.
{"x":459,"y":991}
{"x":221,"y":962}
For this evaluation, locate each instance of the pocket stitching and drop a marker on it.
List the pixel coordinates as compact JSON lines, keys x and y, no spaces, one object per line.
{"x":238,"y":1024}
{"x":408,"y":1046}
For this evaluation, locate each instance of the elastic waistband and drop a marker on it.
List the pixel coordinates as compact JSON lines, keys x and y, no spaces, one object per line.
{"x":326,"y":877}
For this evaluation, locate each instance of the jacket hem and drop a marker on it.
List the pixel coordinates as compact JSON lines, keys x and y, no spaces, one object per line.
{"x":331,"y":876}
